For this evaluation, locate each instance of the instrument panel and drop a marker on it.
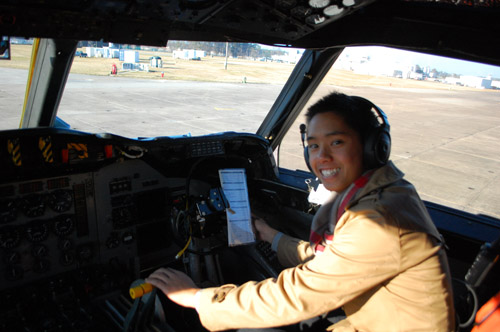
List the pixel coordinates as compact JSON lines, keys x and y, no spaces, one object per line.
{"x":46,"y":227}
{"x":82,"y":216}
{"x":53,"y":225}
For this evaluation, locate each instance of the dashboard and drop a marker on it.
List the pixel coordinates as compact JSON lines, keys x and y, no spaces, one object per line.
{"x":83,"y":216}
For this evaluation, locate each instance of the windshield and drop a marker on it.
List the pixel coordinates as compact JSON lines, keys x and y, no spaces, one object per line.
{"x":186,"y":88}
{"x":443,"y":112}
{"x":444,"y":121}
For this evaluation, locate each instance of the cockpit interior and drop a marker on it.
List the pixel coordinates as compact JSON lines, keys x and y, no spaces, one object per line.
{"x":84,"y":216}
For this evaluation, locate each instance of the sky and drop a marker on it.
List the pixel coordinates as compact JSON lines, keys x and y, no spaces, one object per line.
{"x":383,"y":56}
{"x":389,"y":57}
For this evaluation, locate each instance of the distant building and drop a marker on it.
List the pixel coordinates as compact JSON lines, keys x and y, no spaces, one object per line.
{"x":156,"y":62}
{"x":397,"y":73}
{"x":129,"y":56}
{"x":102,"y":52}
{"x":110,"y":52}
{"x":414,"y":73}
{"x":453,"y":81}
{"x":292,"y":56}
{"x":476,"y":82}
{"x":415,"y":76}
{"x":188,"y":54}
{"x":135,"y":66}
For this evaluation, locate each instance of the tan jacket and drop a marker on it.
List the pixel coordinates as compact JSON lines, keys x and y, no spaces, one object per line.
{"x":385,"y":267}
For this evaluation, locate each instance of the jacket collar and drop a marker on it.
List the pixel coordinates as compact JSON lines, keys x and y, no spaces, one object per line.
{"x":382,"y":177}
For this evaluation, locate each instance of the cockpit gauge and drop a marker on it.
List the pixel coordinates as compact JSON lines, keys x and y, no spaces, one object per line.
{"x":84,"y":253}
{"x":60,"y":200}
{"x":122,"y":217}
{"x":39,"y":251}
{"x":33,"y":205}
{"x":63,"y":225}
{"x":67,"y":258}
{"x":41,"y":266}
{"x":37,"y":231}
{"x":319,"y":3}
{"x":8,"y":211}
{"x":65,"y":244}
{"x":9,"y":237}
{"x":14,"y":273}
{"x":12,"y":257}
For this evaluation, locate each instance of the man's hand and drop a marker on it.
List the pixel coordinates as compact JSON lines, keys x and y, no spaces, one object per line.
{"x":177,"y":286}
{"x":263,"y":231}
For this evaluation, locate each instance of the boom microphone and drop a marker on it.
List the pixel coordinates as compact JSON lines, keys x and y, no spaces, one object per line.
{"x":303,"y":133}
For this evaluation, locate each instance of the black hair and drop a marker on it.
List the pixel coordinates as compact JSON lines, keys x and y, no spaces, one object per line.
{"x":355,"y":111}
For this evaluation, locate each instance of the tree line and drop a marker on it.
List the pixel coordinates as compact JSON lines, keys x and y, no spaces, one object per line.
{"x":219,"y":49}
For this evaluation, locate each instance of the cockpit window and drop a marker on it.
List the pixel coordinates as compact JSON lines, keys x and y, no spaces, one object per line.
{"x":443,"y":117}
{"x":13,"y":77}
{"x":183,"y":89}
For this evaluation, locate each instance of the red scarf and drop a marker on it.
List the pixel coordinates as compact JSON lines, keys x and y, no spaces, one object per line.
{"x":323,"y":225}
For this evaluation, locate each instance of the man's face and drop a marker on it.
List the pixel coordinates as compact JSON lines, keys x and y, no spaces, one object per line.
{"x":335,"y":151}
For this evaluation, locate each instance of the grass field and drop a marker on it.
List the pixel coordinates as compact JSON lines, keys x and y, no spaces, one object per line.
{"x":212,"y":69}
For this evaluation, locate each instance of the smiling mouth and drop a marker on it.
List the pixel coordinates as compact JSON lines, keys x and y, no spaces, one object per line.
{"x":329,"y":172}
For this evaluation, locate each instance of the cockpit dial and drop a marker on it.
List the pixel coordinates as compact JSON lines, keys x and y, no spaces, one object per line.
{"x":8,"y":211}
{"x":60,"y":200}
{"x":39,"y":250}
{"x":9,"y":237}
{"x":33,"y":205}
{"x":37,"y":231}
{"x":12,"y":257}
{"x":63,"y":225}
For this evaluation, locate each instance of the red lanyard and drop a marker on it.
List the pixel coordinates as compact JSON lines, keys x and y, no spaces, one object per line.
{"x":315,"y":238}
{"x":358,"y":184}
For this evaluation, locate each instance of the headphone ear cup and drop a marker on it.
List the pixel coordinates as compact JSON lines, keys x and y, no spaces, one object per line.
{"x":377,"y":148}
{"x":369,"y":160}
{"x":306,"y":158}
{"x":383,"y":146}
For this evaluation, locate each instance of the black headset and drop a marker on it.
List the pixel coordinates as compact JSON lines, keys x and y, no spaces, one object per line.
{"x":376,"y":145}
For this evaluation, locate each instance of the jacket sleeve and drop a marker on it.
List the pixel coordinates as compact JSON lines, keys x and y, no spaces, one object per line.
{"x":364,"y":253}
{"x":292,"y":251}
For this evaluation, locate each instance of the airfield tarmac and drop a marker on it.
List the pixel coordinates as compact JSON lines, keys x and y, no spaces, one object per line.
{"x":447,"y":142}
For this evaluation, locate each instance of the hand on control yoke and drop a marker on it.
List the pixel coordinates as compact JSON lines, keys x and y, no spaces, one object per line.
{"x":176,"y":285}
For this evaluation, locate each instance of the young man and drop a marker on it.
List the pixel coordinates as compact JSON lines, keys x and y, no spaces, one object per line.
{"x":373,"y":251}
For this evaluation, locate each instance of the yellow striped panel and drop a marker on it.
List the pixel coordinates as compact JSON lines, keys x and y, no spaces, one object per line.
{"x":45,"y":146}
{"x":82,"y":150}
{"x":14,"y":148}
